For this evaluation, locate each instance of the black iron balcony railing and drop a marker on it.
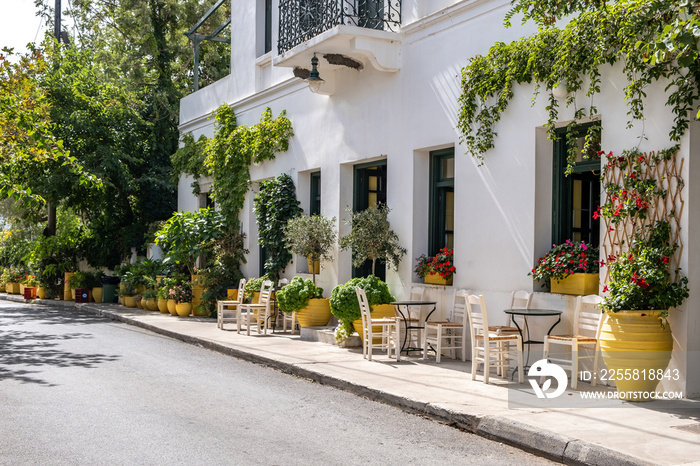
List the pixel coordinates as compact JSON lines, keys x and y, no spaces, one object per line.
{"x":300,"y":20}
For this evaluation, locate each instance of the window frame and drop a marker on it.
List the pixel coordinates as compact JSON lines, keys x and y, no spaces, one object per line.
{"x":438,"y":185}
{"x":315,"y":193}
{"x":562,"y":185}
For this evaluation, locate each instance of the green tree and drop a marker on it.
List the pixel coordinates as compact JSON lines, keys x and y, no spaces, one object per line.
{"x":372,"y":238}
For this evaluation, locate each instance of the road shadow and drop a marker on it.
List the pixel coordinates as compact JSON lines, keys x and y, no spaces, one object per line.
{"x":24,"y":354}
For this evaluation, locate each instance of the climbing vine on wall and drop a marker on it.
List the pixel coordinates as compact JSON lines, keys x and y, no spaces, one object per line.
{"x":227,"y":156}
{"x":652,"y":40}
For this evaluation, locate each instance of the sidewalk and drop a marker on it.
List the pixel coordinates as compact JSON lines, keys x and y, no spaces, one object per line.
{"x":666,"y":433}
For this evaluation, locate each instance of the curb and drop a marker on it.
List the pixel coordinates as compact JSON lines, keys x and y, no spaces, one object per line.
{"x":544,"y":443}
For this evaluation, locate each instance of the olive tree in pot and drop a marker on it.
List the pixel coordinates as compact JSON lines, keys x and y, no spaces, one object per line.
{"x":372,"y":238}
{"x":312,"y":237}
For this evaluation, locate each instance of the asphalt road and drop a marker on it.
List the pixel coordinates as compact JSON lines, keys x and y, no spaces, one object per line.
{"x":76,"y":388}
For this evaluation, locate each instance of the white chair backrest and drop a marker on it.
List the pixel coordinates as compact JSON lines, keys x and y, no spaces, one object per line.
{"x":365,"y":310}
{"x":241,"y":291}
{"x":520,"y":299}
{"x":417,"y":293}
{"x":476,"y":308}
{"x":459,"y":307}
{"x":282,"y":282}
{"x":265,"y":292}
{"x":588,"y":315}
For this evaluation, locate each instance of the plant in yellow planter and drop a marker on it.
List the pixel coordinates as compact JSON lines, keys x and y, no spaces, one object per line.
{"x":569,"y":268}
{"x":182,"y":294}
{"x":306,"y":299}
{"x":636,"y":335}
{"x":344,"y":304}
{"x":438,"y":269}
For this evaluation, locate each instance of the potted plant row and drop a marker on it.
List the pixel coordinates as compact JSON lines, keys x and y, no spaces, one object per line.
{"x":345,"y":307}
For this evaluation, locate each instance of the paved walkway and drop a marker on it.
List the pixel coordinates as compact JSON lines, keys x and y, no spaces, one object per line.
{"x":613,"y":433}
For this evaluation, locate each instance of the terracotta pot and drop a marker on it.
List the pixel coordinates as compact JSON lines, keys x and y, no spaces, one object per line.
{"x":636,"y":342}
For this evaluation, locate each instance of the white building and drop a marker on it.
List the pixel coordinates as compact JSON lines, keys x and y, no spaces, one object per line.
{"x":386,"y":116}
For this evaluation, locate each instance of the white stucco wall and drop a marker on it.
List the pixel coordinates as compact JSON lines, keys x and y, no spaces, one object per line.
{"x":503,"y":221}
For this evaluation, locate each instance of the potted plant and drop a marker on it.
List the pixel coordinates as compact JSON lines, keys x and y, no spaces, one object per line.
{"x":162,"y":298}
{"x":640,"y":292}
{"x":78,"y":281}
{"x":345,"y":307}
{"x":149,"y":300}
{"x":93,"y":282}
{"x":306,"y":299}
{"x":251,"y":293}
{"x":127,"y":293}
{"x":438,"y":269}
{"x":569,"y":268}
{"x":312,"y":237}
{"x":182,"y":294}
{"x":371,"y":238}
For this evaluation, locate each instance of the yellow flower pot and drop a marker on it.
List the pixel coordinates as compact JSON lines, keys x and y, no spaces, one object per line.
{"x":577,"y":284}
{"x":635,"y":344}
{"x":314,"y":266}
{"x":197,"y":289}
{"x":379,"y":311}
{"x":41,"y":292}
{"x":172,"y":307}
{"x":12,"y":288}
{"x":129,"y":301}
{"x":151,"y":304}
{"x":316,"y":314}
{"x":68,"y":293}
{"x":183,"y":309}
{"x":163,"y":305}
{"x":436,"y":279}
{"x":231,"y":294}
{"x":97,"y":294}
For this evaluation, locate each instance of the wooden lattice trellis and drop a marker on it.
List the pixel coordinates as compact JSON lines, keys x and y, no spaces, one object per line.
{"x":642,"y":189}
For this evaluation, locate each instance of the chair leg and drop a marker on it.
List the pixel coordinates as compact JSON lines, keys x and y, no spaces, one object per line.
{"x":519,"y":349}
{"x":487,"y":362}
{"x":574,"y":365}
{"x":438,"y":350}
{"x":596,"y":350}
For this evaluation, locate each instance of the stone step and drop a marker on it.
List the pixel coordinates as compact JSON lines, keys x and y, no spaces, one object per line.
{"x":327,"y":335}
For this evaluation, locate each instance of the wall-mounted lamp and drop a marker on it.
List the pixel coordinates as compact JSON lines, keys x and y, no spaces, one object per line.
{"x":314,"y":80}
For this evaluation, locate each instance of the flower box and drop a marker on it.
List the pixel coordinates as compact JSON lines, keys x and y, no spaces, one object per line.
{"x":577,"y":284}
{"x":436,"y":279}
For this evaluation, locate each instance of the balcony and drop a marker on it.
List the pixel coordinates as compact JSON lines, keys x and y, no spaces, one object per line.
{"x":301,"y":20}
{"x":355,"y":33}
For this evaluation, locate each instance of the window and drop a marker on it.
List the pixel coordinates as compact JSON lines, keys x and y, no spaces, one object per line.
{"x":442,"y":203}
{"x":205,"y":201}
{"x":577,"y":196}
{"x":370,"y":191}
{"x":315,"y":189}
{"x":268,"y":25}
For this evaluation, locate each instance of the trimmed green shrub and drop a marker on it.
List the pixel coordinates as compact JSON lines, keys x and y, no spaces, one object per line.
{"x":296,"y":294}
{"x":344,"y":303}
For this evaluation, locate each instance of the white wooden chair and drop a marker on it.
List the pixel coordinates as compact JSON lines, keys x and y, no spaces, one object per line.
{"x":450,"y":334}
{"x":384,"y":330}
{"x":256,"y":314}
{"x":227,"y":310}
{"x":284,"y":318}
{"x":518,"y":300}
{"x":489,"y":348}
{"x":588,"y":319}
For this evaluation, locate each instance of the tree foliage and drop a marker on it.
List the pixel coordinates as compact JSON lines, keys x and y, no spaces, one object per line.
{"x":372,"y":238}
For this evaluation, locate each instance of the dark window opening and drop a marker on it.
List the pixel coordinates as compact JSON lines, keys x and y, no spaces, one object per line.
{"x":442,"y":210}
{"x":370,"y":191}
